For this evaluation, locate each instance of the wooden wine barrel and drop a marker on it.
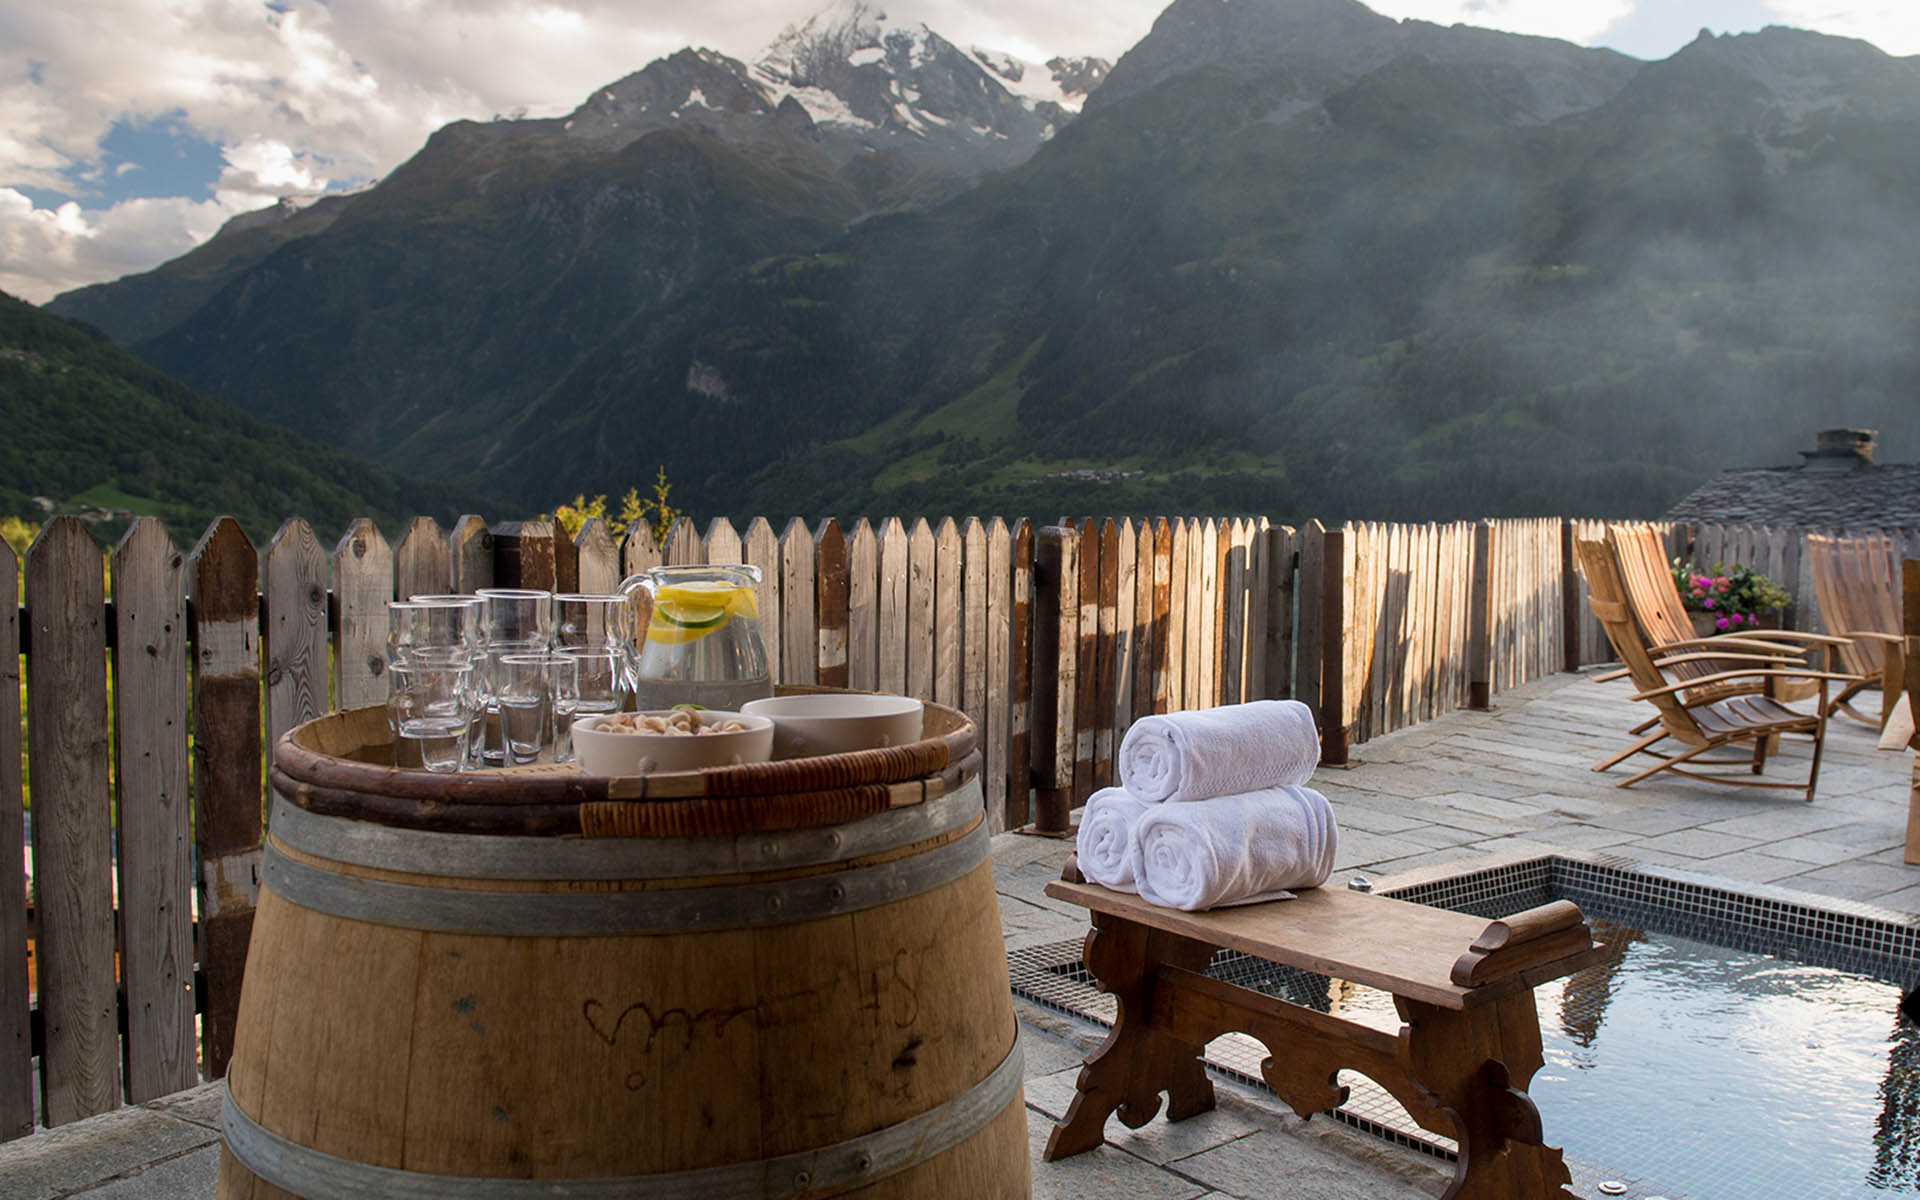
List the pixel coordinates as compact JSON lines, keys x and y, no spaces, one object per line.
{"x":783,"y":980}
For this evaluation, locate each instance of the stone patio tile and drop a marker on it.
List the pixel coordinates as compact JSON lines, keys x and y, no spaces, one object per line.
{"x":1523,"y":754}
{"x":1857,"y":880}
{"x":1359,"y":847}
{"x":1650,"y":821}
{"x":1102,"y":1173}
{"x":1273,"y":1164}
{"x":62,"y":1161}
{"x":1575,"y":836}
{"x":1813,"y":851}
{"x":1906,"y":900}
{"x":1481,"y":826}
{"x":1694,"y":843}
{"x":1161,"y":1141}
{"x":1440,"y":836}
{"x":1866,"y":837}
{"x":1486,"y":806}
{"x":1778,"y":823}
{"x":190,"y":1176}
{"x":1368,"y":819}
{"x":1753,"y":866}
{"x":1431,"y":858}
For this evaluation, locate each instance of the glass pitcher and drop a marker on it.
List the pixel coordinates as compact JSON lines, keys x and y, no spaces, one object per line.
{"x":702,"y":643}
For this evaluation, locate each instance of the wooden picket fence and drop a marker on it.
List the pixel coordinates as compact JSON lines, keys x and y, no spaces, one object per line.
{"x":147,"y":790}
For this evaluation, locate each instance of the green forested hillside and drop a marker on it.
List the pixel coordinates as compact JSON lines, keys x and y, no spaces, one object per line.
{"x":88,"y":423}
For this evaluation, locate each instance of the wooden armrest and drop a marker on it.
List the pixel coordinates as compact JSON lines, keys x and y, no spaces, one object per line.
{"x":1533,"y":938}
{"x":1610,"y":676}
{"x":1728,"y":642}
{"x":1869,"y":635}
{"x":1788,"y":661}
{"x":1728,"y":676}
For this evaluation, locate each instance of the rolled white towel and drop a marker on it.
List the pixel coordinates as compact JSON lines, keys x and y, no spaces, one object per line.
{"x":1220,"y":751}
{"x":1234,"y":849}
{"x":1105,"y":840}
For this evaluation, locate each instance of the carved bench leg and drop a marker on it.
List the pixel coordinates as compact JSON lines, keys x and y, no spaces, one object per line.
{"x":1136,"y":1063}
{"x":1476,"y":1064}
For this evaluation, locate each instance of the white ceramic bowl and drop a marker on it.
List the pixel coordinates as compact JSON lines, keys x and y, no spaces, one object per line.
{"x":601,"y":751}
{"x":836,"y":722}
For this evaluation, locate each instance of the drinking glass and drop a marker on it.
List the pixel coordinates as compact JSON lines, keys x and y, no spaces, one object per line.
{"x":439,"y":624}
{"x":430,"y":707}
{"x":523,"y":692}
{"x":588,"y":681}
{"x":594,"y":619}
{"x":518,"y":615}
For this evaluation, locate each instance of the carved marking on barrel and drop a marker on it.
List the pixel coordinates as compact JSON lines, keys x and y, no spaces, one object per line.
{"x":714,"y":1020}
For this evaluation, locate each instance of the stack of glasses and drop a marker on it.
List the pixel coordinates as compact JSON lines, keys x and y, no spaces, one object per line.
{"x":497,"y":678}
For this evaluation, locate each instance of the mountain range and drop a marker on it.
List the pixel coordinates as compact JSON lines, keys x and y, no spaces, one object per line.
{"x":1287,"y":256}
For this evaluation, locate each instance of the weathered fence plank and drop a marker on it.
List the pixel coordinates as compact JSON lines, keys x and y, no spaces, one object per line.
{"x":72,"y":830}
{"x":1106,"y":655}
{"x":422,"y":560}
{"x":1280,"y":589}
{"x":639,"y":552}
{"x":523,"y":556}
{"x":721,"y":543}
{"x":470,"y":550}
{"x":891,"y":628}
{"x":596,"y":559}
{"x":863,"y":608}
{"x":227,"y":771}
{"x":1144,"y":620}
{"x":973,"y":607}
{"x":683,"y":548}
{"x":295,"y":590}
{"x":156,"y":830}
{"x":921,"y":633}
{"x":362,"y":585}
{"x":761,"y":549}
{"x":16,"y":1030}
{"x":1056,"y":660}
{"x":797,"y":621}
{"x":1086,"y":698}
{"x":1179,"y":627}
{"x":997,"y":722}
{"x":949,"y":621}
{"x":1126,"y":632}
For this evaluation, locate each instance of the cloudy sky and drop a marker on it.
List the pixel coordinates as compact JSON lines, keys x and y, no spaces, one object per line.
{"x":130,"y":129}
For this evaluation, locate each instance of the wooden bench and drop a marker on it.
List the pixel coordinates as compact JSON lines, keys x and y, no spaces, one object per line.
{"x":1463,"y":987}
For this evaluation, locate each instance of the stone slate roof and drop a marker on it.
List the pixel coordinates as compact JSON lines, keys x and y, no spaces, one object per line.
{"x":1867,"y":496}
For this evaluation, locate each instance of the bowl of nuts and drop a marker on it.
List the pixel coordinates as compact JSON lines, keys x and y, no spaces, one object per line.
{"x":679,"y":739}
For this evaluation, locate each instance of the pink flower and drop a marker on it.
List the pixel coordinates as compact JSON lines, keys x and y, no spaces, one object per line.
{"x":1723,"y":622}
{"x":1708,"y":603}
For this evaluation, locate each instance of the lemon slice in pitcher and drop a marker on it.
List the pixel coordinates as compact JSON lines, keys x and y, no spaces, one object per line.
{"x":685,"y":612}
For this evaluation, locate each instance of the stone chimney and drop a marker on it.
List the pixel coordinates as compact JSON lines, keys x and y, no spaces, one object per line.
{"x":1840,"y":450}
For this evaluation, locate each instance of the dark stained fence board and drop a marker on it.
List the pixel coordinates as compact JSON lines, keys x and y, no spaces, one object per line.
{"x":72,"y":835}
{"x":16,"y":1037}
{"x":295,"y":587}
{"x":422,"y":561}
{"x":155,"y":837}
{"x":830,"y":602}
{"x":362,"y":585}
{"x":523,"y":556}
{"x":1143,"y":620}
{"x":227,"y":768}
{"x":1020,"y":668}
{"x":1164,"y":634}
{"x":977,"y":647}
{"x":1309,"y":637}
{"x":1282,"y":558}
{"x":470,"y":550}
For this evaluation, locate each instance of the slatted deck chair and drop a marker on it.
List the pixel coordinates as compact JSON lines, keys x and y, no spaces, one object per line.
{"x":1726,"y":708}
{"x":1859,"y":594}
{"x":1910,"y":621}
{"x":1667,"y":628}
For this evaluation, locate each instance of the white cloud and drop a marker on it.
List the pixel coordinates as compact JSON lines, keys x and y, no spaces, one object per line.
{"x":1545,"y":18}
{"x":1892,"y":25}
{"x":47,"y":251}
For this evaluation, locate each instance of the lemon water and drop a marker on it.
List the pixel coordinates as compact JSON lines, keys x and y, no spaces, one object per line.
{"x":703,"y":646}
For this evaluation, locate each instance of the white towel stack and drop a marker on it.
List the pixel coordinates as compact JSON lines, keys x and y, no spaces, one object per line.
{"x":1213,"y":810}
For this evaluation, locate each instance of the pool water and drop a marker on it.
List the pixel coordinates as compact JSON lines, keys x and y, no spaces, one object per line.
{"x":1798,"y":1081}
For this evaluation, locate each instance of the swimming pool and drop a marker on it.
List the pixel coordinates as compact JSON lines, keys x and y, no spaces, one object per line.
{"x":1745,"y":1043}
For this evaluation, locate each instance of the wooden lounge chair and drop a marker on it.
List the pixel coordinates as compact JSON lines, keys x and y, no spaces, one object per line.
{"x":1859,"y":595}
{"x":1707,"y":694}
{"x":1910,"y":610}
